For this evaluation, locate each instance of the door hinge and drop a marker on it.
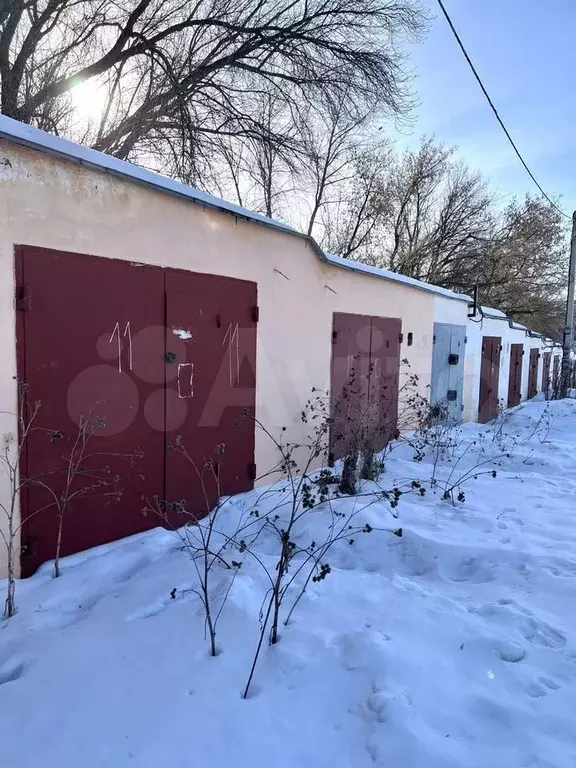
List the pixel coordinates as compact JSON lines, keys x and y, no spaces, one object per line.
{"x":23,"y":298}
{"x":255,"y":314}
{"x":400,"y":337}
{"x":334,"y":336}
{"x":252,"y":470}
{"x":465,"y":339}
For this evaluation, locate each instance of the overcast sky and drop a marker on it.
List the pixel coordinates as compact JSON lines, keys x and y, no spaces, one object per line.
{"x":525,"y":52}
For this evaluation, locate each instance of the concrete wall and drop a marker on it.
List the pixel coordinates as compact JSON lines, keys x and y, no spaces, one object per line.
{"x":53,"y":203}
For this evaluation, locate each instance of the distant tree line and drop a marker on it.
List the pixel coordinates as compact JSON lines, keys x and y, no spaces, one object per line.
{"x":282,"y":106}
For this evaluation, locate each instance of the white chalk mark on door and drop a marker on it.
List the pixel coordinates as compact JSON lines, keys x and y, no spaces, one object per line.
{"x":182,"y":333}
{"x":127,"y":334}
{"x":116,"y":332}
{"x":181,"y":367}
{"x":233,"y":351}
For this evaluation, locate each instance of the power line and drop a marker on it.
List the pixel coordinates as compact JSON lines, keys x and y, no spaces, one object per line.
{"x":489,"y":100}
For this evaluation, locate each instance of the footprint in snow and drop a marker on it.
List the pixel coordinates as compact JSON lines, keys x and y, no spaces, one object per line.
{"x":539,"y":633}
{"x":560,"y":568}
{"x":51,"y":616}
{"x":12,"y":670}
{"x":376,"y":705}
{"x":474,"y":570}
{"x":147,"y":611}
{"x":159,"y":605}
{"x":536,"y":690}
{"x":553,"y":685}
{"x":61,"y":612}
{"x":509,"y":651}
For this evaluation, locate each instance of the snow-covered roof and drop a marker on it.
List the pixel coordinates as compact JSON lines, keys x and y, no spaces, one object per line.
{"x":358,"y":266}
{"x":30,"y":136}
{"x":496,"y":314}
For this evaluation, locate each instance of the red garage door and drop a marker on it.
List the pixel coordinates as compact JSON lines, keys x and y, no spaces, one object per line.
{"x":489,"y":377}
{"x":364,"y":380}
{"x":515,"y":375}
{"x":533,"y":374}
{"x":210,"y":387}
{"x":117,"y":346}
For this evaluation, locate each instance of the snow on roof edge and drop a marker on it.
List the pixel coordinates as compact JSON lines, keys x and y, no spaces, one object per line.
{"x":495,"y":314}
{"x":358,"y":266}
{"x":30,"y":136}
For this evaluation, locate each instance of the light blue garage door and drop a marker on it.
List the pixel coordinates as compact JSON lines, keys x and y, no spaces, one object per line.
{"x":447,"y":386}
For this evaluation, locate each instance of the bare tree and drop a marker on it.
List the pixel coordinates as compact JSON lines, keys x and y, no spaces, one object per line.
{"x":427,"y":215}
{"x":176,"y":75}
{"x":355,"y":223}
{"x":332,"y":135}
{"x":522,"y":269}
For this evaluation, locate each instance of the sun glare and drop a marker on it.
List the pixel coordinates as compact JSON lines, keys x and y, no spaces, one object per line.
{"x":89,"y":99}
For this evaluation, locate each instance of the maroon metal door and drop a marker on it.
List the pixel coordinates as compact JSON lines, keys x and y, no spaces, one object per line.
{"x":88,"y":348}
{"x":146,"y":355}
{"x":349,"y":379}
{"x":384,"y":379}
{"x":364,"y":380}
{"x":533,"y":374}
{"x":489,"y":376}
{"x":210,"y":388}
{"x":515,"y":376}
{"x":545,"y":372}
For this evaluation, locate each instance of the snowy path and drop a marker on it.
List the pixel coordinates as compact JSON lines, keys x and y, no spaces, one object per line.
{"x":453,"y":646}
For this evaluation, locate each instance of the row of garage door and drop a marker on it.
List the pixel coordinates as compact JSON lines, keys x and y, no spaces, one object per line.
{"x":448,"y":372}
{"x":164,"y":361}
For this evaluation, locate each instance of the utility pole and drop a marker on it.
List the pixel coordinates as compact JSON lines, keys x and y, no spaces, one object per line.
{"x":569,"y":321}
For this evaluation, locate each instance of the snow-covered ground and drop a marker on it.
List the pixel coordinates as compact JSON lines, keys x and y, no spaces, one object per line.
{"x":453,"y":645}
